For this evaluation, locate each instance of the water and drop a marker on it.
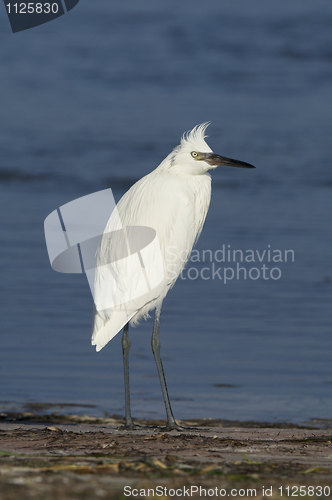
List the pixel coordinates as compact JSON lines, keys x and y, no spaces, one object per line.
{"x":97,"y":99}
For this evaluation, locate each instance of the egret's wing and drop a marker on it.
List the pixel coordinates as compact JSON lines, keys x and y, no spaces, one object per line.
{"x":129,"y":275}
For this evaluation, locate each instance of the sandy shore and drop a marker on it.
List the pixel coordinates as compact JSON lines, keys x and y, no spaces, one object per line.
{"x":68,"y":457}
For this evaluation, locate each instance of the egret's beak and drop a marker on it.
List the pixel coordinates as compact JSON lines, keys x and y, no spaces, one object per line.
{"x":217,"y":160}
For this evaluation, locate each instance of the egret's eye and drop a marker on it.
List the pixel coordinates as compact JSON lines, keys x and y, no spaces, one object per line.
{"x":194,"y":154}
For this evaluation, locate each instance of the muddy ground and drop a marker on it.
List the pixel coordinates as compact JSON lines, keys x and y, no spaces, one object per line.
{"x":66,"y":457}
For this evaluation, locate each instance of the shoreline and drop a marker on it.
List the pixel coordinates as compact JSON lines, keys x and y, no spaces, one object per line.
{"x":61,"y":457}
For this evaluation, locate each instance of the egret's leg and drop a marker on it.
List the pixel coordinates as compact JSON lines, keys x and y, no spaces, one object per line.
{"x":155,"y":344}
{"x":129,"y":424}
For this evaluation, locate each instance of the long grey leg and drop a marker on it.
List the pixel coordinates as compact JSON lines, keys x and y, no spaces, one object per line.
{"x":125,"y":349}
{"x":155,"y":344}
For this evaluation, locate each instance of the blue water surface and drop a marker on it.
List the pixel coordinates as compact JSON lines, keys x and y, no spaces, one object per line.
{"x":96,"y":99}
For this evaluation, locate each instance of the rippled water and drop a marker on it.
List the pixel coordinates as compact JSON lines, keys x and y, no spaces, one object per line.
{"x":97,"y":99}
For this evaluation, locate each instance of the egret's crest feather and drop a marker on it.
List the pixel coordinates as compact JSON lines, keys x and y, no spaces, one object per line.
{"x":196,"y":135}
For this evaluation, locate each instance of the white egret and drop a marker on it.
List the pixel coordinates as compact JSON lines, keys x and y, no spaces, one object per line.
{"x":173,"y":200}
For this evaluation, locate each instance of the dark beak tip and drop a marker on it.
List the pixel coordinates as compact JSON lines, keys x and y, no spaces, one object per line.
{"x":241,"y":164}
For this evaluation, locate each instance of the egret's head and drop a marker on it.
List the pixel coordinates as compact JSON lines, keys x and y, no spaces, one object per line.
{"x":194,"y":156}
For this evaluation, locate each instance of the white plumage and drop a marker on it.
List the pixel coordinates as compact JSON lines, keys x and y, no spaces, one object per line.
{"x":173,"y":200}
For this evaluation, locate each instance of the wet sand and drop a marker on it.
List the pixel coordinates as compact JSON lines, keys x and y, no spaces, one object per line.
{"x":69,"y":457}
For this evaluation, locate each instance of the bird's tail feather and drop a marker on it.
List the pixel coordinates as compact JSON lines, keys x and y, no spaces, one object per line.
{"x":104,"y":330}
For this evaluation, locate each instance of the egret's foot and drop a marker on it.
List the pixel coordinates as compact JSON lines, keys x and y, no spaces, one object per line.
{"x":173,"y":426}
{"x":130,"y":426}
